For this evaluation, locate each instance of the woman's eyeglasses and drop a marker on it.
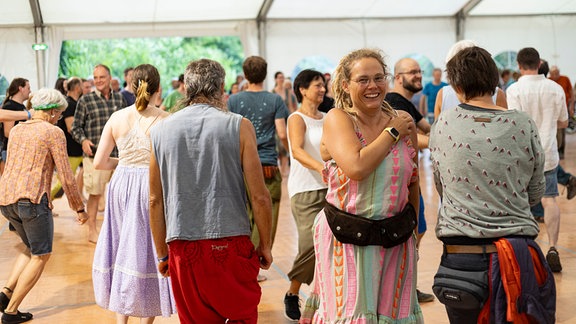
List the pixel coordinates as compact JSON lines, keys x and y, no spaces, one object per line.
{"x":378,"y":79}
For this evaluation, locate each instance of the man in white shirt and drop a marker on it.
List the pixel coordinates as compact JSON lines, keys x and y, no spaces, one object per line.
{"x":545,"y":102}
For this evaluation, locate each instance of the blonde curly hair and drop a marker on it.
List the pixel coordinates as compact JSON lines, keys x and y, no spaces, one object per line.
{"x":342,"y":99}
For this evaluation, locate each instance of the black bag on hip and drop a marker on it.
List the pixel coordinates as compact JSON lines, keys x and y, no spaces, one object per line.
{"x":357,"y":230}
{"x":461,"y":289}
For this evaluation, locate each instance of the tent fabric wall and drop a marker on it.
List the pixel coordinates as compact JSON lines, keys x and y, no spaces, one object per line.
{"x":289,"y":41}
{"x":552,"y":36}
{"x":17,"y":58}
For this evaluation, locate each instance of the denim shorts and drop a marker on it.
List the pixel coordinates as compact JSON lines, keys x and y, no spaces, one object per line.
{"x":551,"y":183}
{"x":33,"y":223}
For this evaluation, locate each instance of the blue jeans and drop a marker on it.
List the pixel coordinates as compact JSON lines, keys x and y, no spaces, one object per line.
{"x":33,"y":223}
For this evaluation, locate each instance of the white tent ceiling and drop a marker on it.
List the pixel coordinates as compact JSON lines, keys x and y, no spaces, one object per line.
{"x":65,"y":12}
{"x":285,"y":30}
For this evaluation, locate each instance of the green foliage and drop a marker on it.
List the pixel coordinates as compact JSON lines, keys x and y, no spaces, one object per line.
{"x":169,"y":55}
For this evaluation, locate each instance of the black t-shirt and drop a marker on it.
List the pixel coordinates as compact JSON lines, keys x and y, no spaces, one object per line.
{"x":15,"y":106}
{"x":72,"y":147}
{"x":326,"y":105}
{"x":398,"y":102}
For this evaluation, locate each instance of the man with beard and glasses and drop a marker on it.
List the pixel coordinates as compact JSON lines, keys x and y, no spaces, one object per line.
{"x":407,"y":82}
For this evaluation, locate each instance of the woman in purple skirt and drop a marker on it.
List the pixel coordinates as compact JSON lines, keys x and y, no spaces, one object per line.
{"x":124,"y":273}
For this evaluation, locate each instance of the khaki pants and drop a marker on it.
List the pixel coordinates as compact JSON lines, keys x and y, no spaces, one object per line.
{"x":305,"y":206}
{"x":95,"y":180}
{"x":274,"y":186}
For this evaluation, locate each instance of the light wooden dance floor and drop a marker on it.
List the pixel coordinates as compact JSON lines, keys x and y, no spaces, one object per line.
{"x":64,"y":293}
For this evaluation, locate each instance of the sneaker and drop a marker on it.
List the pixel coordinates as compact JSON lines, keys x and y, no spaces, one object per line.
{"x":4,"y":300}
{"x":424,"y":297}
{"x":261,"y":278}
{"x":16,"y":318}
{"x":553,"y":260}
{"x":292,"y":307}
{"x":571,"y":186}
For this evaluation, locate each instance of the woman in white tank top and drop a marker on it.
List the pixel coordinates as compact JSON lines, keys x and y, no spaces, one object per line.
{"x":306,"y":187}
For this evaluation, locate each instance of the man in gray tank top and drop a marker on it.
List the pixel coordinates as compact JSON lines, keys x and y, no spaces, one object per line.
{"x":203,"y":160}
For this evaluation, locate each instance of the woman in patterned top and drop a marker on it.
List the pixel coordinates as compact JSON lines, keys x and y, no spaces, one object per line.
{"x":371,"y":170}
{"x":36,"y":147}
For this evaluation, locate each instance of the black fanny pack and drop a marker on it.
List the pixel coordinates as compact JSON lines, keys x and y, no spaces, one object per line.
{"x":461,"y":289}
{"x":387,"y":232}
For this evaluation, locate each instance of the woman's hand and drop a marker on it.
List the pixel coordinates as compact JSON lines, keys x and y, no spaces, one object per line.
{"x":81,"y":218}
{"x":403,"y":123}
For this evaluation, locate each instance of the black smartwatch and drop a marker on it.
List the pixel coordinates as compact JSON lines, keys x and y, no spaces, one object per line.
{"x":393,"y":132}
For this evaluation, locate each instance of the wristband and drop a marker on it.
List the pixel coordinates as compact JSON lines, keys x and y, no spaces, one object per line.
{"x":164,"y":259}
{"x":393,"y":132}
{"x":29,"y":114}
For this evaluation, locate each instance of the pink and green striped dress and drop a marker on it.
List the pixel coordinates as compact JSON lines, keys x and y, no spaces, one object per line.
{"x":366,"y":284}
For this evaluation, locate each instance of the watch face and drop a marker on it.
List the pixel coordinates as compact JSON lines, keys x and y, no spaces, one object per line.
{"x":394,"y":132}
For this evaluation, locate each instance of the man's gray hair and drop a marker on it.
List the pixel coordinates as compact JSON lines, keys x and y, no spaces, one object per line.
{"x":203,"y":80}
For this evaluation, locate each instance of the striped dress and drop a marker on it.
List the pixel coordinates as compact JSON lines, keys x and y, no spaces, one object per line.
{"x":366,"y":284}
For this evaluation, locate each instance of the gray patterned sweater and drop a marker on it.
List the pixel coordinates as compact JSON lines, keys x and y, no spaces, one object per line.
{"x":488,"y":170}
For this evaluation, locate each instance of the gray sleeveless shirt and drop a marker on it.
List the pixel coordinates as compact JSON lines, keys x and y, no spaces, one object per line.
{"x":198,"y":153}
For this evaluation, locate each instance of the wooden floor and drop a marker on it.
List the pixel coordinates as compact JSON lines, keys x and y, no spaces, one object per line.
{"x":64,"y":292}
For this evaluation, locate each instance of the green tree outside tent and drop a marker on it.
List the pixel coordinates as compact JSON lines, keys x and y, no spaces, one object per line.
{"x":169,"y":55}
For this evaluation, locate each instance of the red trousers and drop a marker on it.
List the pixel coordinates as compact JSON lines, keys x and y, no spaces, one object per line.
{"x":215,"y":280}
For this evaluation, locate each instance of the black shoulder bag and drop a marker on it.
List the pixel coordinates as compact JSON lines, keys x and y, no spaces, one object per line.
{"x":387,"y":232}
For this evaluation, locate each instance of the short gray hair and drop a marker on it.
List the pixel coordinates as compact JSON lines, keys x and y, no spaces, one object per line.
{"x":46,"y":97}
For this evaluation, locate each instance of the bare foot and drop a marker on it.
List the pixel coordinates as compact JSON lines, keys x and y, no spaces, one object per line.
{"x":93,"y":237}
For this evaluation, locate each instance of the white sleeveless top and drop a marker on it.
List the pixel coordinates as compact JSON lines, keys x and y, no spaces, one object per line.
{"x":450,"y":100}
{"x":302,"y":179}
{"x":134,"y":147}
